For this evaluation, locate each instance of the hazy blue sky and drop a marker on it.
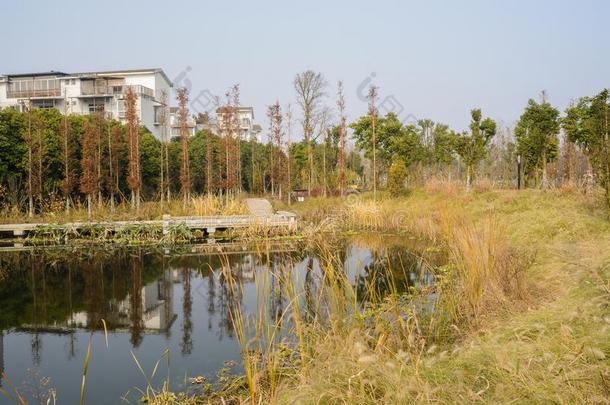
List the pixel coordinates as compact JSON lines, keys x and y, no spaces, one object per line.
{"x":438,"y":59}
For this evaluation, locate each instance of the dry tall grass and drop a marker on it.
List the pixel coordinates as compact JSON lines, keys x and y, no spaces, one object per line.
{"x":197,"y":206}
{"x":479,"y":344}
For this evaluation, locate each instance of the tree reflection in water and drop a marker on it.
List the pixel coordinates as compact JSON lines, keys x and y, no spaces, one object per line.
{"x":63,"y":292}
{"x":187,"y":307}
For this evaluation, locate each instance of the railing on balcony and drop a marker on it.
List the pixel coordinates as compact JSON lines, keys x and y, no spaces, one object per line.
{"x":90,"y":89}
{"x":33,"y":88}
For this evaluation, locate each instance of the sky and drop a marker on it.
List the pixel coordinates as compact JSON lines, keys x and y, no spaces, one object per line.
{"x":430,"y":59}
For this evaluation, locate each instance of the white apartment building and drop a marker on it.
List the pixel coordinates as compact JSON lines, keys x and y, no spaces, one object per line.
{"x":245,"y":117}
{"x":174,"y":123}
{"x":86,"y":93}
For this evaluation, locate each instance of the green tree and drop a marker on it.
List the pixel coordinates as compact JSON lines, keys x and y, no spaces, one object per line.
{"x":443,"y":147}
{"x":392,"y":139}
{"x":588,"y":125}
{"x":472,"y":147}
{"x":150,"y":150}
{"x":12,"y":149}
{"x":537,"y":141}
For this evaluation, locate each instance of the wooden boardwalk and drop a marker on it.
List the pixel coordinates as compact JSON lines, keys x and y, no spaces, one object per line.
{"x":209,"y":224}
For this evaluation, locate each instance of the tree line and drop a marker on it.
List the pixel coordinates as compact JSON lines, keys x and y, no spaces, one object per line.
{"x":49,"y":159}
{"x":543,"y":140}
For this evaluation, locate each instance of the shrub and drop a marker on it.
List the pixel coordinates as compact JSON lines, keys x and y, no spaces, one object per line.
{"x":396,"y":177}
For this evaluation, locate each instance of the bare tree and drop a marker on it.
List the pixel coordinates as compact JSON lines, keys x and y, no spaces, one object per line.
{"x":288,"y":163}
{"x":372,"y":98}
{"x":342,"y":137}
{"x":115,"y":147}
{"x":66,"y":157}
{"x":225,"y":115}
{"x":310,"y":88}
{"x":230,"y":142}
{"x":28,"y":139}
{"x":100,"y":123}
{"x":235,"y":96}
{"x":274,"y":113}
{"x":89,"y":180}
{"x":209,"y":156}
{"x":323,"y":121}
{"x":185,"y":172}
{"x":164,"y":164}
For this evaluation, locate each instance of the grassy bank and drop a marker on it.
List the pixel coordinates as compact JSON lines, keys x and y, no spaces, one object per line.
{"x":541,"y":334}
{"x":522,"y":309}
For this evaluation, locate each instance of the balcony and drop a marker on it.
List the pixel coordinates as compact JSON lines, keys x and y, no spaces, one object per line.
{"x":91,"y":89}
{"x":37,"y":88}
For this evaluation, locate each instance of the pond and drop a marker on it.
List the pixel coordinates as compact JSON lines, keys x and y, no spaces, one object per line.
{"x":139,"y":306}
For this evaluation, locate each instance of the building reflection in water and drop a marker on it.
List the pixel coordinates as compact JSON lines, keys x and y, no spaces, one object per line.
{"x":147,"y":308}
{"x":133,"y":291}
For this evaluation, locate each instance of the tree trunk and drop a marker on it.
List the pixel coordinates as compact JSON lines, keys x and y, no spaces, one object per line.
{"x":545,"y":180}
{"x":374,"y":161}
{"x":468,"y":177}
{"x":324,"y":167}
{"x":30,"y":190}
{"x":589,"y":178}
{"x":89,"y":206}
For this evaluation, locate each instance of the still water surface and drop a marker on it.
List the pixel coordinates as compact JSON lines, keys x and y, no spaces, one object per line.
{"x":153,"y":301}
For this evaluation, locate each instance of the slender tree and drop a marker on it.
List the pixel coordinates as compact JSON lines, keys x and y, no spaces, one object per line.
{"x":238,"y":138}
{"x":372,"y":98}
{"x":66,"y":157}
{"x":28,"y":139}
{"x":226,"y":128}
{"x":89,"y":180}
{"x":324,"y":132}
{"x":288,"y":160}
{"x":134,"y":179}
{"x":310,"y":87}
{"x":209,"y":155}
{"x":185,"y":175}
{"x":230,"y":132}
{"x":274,"y":113}
{"x":100,"y":123}
{"x":342,"y":137}
{"x":116,"y":146}
{"x":164,"y":161}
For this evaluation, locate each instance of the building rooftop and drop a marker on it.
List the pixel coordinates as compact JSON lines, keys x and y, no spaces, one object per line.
{"x":93,"y":74}
{"x":50,"y":73}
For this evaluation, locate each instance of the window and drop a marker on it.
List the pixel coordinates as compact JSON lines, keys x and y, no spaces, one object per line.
{"x":157,"y":114}
{"x":121,"y":108}
{"x":43,"y":104}
{"x":96,"y":105}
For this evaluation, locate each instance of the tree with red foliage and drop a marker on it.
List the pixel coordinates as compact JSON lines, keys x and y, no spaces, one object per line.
{"x":134,"y":175}
{"x":185,"y":171}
